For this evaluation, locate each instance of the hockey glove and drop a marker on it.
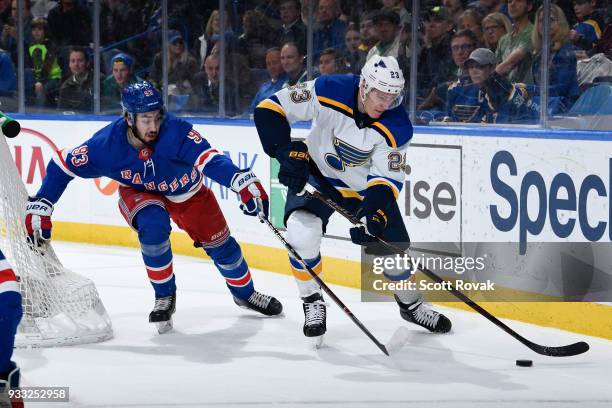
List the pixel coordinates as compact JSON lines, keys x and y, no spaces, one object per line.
{"x":252,"y":194}
{"x":294,"y":166}
{"x":373,"y":209}
{"x":38,"y":220}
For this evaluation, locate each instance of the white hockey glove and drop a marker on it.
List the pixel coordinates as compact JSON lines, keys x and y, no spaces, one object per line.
{"x":252,"y":194}
{"x":38,"y":220}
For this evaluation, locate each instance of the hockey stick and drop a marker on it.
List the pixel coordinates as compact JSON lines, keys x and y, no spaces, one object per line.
{"x":552,"y":351}
{"x":323,"y":286}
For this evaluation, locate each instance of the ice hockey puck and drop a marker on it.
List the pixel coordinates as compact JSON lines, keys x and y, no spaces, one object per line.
{"x":524,"y":363}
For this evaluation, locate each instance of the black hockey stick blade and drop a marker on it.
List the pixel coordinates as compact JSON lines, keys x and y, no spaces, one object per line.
{"x":560,"y":351}
{"x":551,"y":351}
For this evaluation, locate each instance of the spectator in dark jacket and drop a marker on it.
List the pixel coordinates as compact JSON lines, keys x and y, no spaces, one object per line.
{"x":256,"y":39}
{"x":76,"y":93}
{"x":463,"y":43}
{"x":293,"y":29}
{"x":207,"y":89}
{"x":355,"y":58}
{"x":435,"y":63}
{"x":330,"y":29}
{"x":69,"y":24}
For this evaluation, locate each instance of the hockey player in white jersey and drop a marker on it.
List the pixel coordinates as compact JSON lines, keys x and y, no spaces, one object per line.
{"x":355,"y":154}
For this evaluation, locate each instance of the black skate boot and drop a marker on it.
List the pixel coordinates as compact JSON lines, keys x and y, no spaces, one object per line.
{"x":315,"y":315}
{"x":162,"y":313}
{"x":419,"y":313}
{"x":264,"y":304}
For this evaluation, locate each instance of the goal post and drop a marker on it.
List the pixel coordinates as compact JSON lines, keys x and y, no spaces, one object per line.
{"x":60,"y":307}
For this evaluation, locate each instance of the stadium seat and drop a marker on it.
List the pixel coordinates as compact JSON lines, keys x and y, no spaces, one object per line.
{"x":597,"y":100}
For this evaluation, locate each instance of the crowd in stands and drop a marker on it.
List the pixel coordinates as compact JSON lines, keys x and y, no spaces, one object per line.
{"x":477,"y":60}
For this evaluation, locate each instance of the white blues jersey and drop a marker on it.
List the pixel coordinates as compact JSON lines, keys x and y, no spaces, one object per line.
{"x":352,"y":151}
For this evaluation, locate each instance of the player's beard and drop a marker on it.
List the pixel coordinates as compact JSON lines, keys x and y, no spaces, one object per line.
{"x":138,"y":139}
{"x":150,"y":137}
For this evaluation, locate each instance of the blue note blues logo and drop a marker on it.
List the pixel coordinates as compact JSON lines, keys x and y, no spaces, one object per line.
{"x":380,"y":64}
{"x":346,"y":155}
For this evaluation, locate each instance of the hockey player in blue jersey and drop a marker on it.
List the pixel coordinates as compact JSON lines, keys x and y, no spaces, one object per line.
{"x":355,"y":154}
{"x":10,"y":316}
{"x":160,"y":162}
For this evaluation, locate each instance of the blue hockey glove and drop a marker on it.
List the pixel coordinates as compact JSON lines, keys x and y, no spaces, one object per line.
{"x":294,"y":166}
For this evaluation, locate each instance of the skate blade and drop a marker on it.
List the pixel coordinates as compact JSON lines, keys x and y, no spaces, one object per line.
{"x":164,"y":327}
{"x":399,"y":338}
{"x":316,"y":342}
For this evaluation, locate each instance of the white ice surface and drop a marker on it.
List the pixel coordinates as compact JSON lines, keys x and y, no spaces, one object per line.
{"x":222,"y":356}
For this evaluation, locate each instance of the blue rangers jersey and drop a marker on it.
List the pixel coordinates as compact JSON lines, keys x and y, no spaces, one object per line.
{"x":180,"y":157}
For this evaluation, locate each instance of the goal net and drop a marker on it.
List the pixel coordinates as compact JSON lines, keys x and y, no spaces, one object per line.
{"x":60,"y":307}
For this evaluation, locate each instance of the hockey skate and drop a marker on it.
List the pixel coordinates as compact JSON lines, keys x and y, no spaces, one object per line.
{"x":420,"y":314}
{"x":315,"y":316}
{"x":162,"y":313}
{"x":264,"y":304}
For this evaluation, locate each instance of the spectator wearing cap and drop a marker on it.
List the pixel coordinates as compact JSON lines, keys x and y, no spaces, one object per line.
{"x":489,"y":97}
{"x":587,"y":31}
{"x":293,"y":28}
{"x":435,"y":64}
{"x":122,"y":75}
{"x":330,"y":30}
{"x":514,"y":49}
{"x":76,"y":93}
{"x":42,"y":71}
{"x":277,"y":78}
{"x":181,"y":66}
{"x":387,"y":26}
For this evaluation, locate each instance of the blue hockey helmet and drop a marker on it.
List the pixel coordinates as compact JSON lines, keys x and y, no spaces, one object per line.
{"x":141,"y":97}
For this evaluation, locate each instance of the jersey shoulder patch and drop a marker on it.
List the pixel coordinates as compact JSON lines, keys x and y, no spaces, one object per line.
{"x":395,"y":127}
{"x":337,"y":92}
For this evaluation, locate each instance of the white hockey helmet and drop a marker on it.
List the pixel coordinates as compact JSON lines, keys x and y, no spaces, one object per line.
{"x":384,"y":74}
